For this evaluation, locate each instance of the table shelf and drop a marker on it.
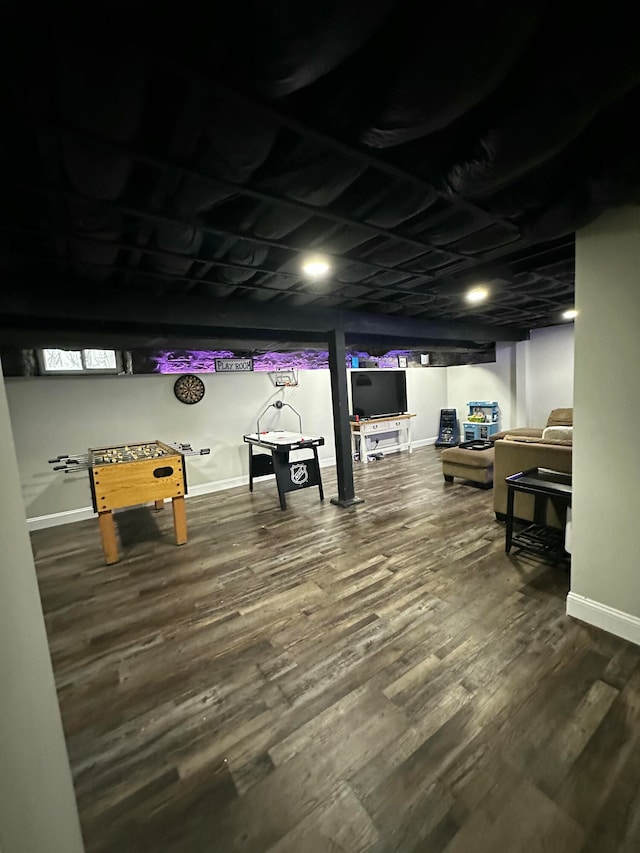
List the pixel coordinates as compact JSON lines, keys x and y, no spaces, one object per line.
{"x":538,"y":538}
{"x":547,"y":542}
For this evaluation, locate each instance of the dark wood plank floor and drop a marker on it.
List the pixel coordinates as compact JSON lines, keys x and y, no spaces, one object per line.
{"x":380,"y":679}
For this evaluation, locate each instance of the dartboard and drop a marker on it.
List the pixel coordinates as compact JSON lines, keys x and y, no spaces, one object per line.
{"x":189,"y":389}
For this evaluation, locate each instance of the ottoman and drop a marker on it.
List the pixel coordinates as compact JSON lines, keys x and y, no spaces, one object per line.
{"x":472,"y":461}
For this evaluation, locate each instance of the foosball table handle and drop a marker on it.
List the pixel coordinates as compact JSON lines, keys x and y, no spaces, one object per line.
{"x":189,"y":451}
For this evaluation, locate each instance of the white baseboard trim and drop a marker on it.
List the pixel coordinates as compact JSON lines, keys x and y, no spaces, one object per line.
{"x":39,"y":522}
{"x":216,"y":486}
{"x":423,"y":442}
{"x":70,"y":516}
{"x":234,"y":482}
{"x":395,"y":448}
{"x":83,"y":513}
{"x":602,"y":616}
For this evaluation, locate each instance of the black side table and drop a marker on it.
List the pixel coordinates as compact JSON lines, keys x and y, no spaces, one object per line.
{"x":538,"y":538}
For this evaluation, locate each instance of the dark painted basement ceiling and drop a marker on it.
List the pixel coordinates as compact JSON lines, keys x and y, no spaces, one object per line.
{"x":166,"y":167}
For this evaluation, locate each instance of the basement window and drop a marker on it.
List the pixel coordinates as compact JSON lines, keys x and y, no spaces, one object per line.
{"x":79,"y":361}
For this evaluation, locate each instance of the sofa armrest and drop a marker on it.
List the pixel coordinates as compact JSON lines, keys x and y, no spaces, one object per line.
{"x":511,"y":457}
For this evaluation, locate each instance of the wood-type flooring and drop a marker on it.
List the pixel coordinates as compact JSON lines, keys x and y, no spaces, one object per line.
{"x":380,"y":679}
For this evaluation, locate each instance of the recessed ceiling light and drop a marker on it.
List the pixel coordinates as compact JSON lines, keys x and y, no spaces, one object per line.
{"x":477,"y":294}
{"x":316,"y":268}
{"x":569,"y":314}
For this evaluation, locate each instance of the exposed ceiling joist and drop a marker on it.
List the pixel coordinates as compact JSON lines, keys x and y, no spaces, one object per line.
{"x":195,"y":316}
{"x":178,"y":153}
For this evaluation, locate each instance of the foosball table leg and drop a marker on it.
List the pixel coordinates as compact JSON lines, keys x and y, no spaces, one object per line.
{"x":108,"y":536}
{"x":179,"y":520}
{"x":160,"y":504}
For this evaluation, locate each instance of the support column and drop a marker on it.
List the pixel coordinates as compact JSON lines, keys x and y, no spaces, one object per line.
{"x":341,"y":430}
{"x":38,"y":811}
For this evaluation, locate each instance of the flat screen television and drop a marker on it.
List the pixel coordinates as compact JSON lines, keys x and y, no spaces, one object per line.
{"x":375,"y":393}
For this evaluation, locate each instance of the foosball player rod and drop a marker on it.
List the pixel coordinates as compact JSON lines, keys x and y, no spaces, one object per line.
{"x":71,"y":459}
{"x":187,"y":450}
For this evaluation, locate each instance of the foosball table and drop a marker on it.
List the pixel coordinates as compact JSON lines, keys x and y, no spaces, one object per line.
{"x":125,"y":475}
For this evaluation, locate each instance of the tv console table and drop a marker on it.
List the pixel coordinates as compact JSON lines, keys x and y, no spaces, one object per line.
{"x":368,"y":428}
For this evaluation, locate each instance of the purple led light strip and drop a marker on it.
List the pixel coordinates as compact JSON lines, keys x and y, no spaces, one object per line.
{"x":203,"y":361}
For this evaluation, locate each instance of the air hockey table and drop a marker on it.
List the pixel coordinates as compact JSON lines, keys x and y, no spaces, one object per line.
{"x":291,"y":476}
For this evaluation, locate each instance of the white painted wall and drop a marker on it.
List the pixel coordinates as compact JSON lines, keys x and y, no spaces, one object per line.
{"x":606,"y":459}
{"x":426,"y":395}
{"x":528,"y":378}
{"x":549,"y":372}
{"x":37,"y":806}
{"x":56,"y":415}
{"x":496,"y":381}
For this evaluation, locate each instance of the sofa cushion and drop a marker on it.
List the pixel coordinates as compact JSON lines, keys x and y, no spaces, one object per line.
{"x":560,"y":417}
{"x":563,"y":433}
{"x":533,"y":432}
{"x":525,"y":439}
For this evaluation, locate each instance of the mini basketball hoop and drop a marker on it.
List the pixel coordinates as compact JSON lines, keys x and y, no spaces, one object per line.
{"x":284,"y":378}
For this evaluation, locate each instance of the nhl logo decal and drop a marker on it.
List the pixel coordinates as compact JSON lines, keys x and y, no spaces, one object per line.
{"x":299,"y":474}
